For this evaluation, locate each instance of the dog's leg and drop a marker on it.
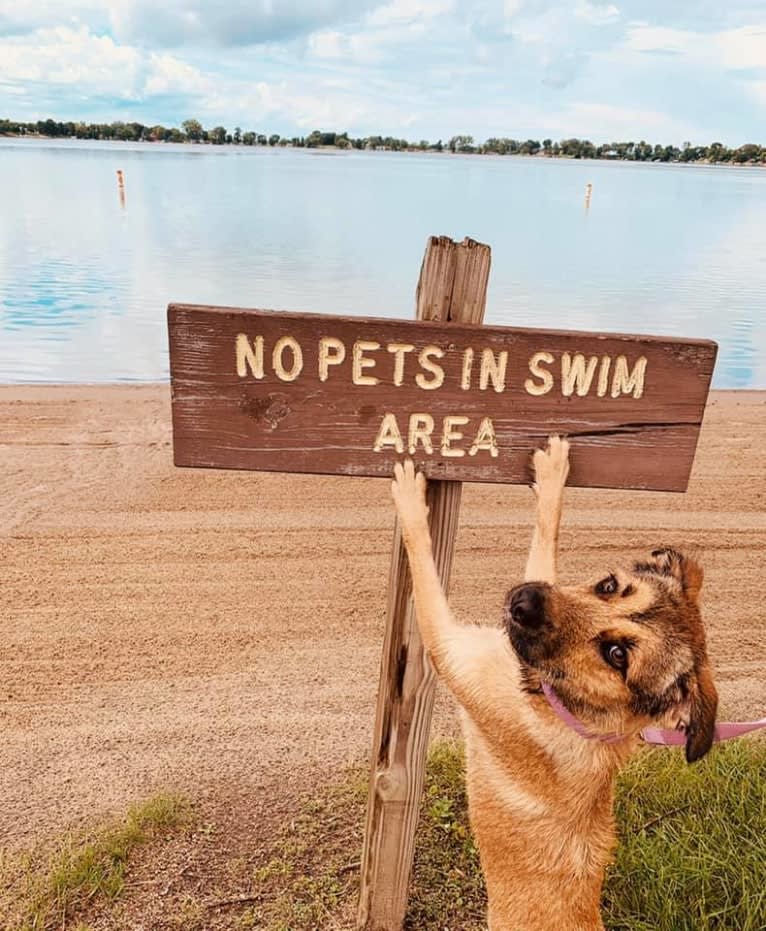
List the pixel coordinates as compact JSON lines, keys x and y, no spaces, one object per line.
{"x":551,"y":470}
{"x":435,"y":620}
{"x":466,"y":656}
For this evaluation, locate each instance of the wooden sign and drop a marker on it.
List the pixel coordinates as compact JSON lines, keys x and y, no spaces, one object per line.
{"x":265,"y":390}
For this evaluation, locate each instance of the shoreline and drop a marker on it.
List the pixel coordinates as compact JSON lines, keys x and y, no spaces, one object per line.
{"x":141,"y":144}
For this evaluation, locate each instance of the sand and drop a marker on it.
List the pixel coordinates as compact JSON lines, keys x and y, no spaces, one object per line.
{"x":219,"y":633}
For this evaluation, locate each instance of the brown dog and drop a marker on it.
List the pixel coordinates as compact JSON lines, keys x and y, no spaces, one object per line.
{"x":620,"y":653}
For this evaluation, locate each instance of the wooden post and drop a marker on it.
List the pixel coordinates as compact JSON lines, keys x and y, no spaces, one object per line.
{"x":452,"y":287}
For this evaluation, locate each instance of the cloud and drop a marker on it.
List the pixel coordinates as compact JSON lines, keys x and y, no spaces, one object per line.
{"x":173,"y":23}
{"x":610,"y":122}
{"x":409,"y":11}
{"x":596,"y":14}
{"x":731,"y":49}
{"x":77,"y":60}
{"x":757,"y":90}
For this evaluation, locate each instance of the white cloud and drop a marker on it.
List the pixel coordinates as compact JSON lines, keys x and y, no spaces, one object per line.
{"x":596,"y":14}
{"x":409,"y":11}
{"x":757,"y":90}
{"x":731,"y":49}
{"x":66,"y":56}
{"x":605,"y":121}
{"x":169,"y":75}
{"x":96,"y":65}
{"x":357,"y":47}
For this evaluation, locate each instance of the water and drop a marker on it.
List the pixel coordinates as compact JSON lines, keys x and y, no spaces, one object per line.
{"x":84,"y":282}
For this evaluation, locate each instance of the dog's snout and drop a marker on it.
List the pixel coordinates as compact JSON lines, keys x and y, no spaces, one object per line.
{"x":528,"y":606}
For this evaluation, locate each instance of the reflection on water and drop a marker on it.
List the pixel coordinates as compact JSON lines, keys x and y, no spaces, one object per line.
{"x":84,"y":281}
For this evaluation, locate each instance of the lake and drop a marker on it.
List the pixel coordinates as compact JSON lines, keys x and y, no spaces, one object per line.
{"x":85,"y":281}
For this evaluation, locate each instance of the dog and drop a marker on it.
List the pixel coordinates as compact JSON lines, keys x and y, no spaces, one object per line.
{"x":616,"y":654}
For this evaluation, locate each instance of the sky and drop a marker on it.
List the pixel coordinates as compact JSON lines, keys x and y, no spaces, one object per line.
{"x":665,"y":71}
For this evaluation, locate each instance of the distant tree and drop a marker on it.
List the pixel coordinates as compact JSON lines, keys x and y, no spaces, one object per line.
{"x":248,"y":138}
{"x":460,"y":144}
{"x":747,"y":153}
{"x":261,"y":139}
{"x":193,"y":129}
{"x":237,"y":137}
{"x":218,"y":135}
{"x":274,"y":138}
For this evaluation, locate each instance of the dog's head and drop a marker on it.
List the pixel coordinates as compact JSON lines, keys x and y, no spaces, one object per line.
{"x":625,"y":650}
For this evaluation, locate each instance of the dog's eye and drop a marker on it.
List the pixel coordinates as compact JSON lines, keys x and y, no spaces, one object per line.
{"x":616,"y":655}
{"x":607,"y":586}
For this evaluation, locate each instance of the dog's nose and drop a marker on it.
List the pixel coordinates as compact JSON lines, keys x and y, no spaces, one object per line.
{"x":528,"y":606}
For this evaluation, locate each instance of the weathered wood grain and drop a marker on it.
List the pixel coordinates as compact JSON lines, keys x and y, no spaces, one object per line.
{"x":225,"y":420}
{"x":452,"y":286}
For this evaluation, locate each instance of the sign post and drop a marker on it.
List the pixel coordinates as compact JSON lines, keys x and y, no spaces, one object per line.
{"x":351,"y":396}
{"x":452,"y":288}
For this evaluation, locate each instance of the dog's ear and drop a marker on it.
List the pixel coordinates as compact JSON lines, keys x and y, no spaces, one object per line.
{"x":687,"y":570}
{"x":703,"y":705}
{"x":692,"y":577}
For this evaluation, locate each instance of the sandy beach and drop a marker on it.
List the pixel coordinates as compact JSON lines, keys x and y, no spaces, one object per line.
{"x":220,"y":632}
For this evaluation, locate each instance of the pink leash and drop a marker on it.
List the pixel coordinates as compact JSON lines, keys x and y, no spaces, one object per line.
{"x":651,"y":735}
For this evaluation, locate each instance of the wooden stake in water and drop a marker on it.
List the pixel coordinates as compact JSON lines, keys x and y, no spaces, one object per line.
{"x":588,"y":193}
{"x":121,"y":186}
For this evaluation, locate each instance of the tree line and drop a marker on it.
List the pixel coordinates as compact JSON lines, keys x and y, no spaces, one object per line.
{"x":192,"y":131}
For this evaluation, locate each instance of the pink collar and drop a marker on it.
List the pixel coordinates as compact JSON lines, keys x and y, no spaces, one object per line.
{"x":650,"y":735}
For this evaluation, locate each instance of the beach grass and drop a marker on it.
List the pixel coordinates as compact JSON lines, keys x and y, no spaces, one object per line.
{"x":691,"y":853}
{"x":53,"y":889}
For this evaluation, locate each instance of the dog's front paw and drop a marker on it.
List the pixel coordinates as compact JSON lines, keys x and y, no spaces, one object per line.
{"x":408,"y":490}
{"x":551,"y":465}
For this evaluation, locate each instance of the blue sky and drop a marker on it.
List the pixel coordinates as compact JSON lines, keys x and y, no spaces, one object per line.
{"x":660,"y":70}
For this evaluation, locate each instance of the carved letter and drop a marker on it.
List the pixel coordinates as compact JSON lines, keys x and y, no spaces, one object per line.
{"x":603,"y":376}
{"x":283,"y":374}
{"x":249,"y":355}
{"x":436,"y":370}
{"x":623,"y":382}
{"x":389,"y":435}
{"x":331,"y":352}
{"x":493,"y":370}
{"x":421,"y":428}
{"x":399,"y":349}
{"x":546,"y":379}
{"x":575,"y":375}
{"x":449,"y":435}
{"x":360,"y":347}
{"x":485,"y":438}
{"x":465,"y":378}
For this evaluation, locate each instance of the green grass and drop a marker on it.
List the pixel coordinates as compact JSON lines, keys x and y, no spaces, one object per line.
{"x":53,"y":890}
{"x":691,"y":854}
{"x":692,"y":850}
